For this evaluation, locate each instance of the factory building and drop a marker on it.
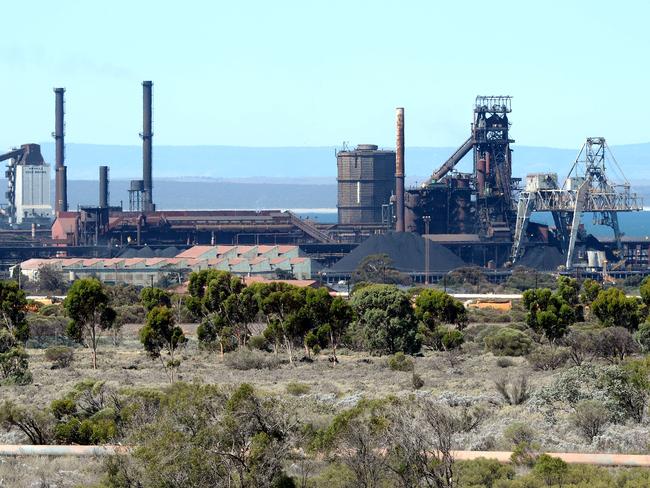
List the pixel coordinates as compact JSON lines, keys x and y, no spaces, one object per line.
{"x":366,"y":182}
{"x":261,"y":261}
{"x":28,"y":185}
{"x":33,"y":192}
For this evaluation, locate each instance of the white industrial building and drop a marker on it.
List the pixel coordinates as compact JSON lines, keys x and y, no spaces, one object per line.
{"x":28,"y":186}
{"x":33,"y":192}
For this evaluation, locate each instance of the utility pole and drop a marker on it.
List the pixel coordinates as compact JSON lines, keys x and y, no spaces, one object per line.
{"x":427,"y":220}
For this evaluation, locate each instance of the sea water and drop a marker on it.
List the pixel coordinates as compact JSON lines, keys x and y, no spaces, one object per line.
{"x":632,"y":224}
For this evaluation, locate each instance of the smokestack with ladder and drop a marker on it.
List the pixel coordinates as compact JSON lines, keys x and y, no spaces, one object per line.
{"x":147,"y":136}
{"x":61,"y":180}
{"x":399,"y":172}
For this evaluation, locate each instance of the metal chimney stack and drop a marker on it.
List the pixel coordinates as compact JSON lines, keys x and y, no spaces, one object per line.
{"x":61,"y":180}
{"x":399,"y":172}
{"x":147,"y":136}
{"x":103,"y":187}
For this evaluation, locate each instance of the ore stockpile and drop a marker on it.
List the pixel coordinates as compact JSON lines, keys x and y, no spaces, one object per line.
{"x":406,"y":251}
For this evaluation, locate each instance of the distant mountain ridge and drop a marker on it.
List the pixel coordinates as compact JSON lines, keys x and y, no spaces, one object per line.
{"x":307,"y":164}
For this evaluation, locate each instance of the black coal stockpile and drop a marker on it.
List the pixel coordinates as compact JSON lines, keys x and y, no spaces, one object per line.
{"x":542,"y":258}
{"x":405,"y":249}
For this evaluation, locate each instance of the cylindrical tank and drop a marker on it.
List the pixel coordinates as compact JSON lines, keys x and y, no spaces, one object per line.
{"x":592,"y":259}
{"x":366,"y":181}
{"x":137,"y":185}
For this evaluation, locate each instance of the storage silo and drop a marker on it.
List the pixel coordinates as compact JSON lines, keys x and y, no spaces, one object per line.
{"x":366,"y":181}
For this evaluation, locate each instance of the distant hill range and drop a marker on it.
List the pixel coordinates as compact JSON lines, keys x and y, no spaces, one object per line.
{"x":309,"y":164}
{"x":205,"y":177}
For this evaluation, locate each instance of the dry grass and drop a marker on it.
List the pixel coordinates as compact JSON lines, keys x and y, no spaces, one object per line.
{"x":48,"y":472}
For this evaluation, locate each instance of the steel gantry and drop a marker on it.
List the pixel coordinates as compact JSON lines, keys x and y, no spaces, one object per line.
{"x":587,"y":188}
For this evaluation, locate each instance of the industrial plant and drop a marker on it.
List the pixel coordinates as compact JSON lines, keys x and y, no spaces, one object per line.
{"x":479,"y":218}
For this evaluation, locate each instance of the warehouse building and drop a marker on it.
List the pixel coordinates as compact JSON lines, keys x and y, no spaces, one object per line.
{"x":263,"y":261}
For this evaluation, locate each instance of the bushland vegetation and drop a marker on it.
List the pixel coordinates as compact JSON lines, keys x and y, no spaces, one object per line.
{"x":282,"y":386}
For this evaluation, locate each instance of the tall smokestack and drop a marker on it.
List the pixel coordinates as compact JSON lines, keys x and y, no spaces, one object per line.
{"x":147,"y":136}
{"x":399,"y":171}
{"x":103,"y":187}
{"x":61,"y":181}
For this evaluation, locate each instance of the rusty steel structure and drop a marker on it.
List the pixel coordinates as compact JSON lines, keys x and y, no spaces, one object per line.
{"x":147,"y":148}
{"x":61,"y":177}
{"x":480,"y":202}
{"x":115,"y":227}
{"x":366,"y":182}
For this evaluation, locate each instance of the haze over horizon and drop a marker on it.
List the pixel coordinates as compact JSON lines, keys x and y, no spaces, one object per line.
{"x":315,"y":74}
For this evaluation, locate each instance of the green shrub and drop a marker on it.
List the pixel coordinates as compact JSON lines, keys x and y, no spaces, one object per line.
{"x":400,"y":362}
{"x":550,"y":469}
{"x":519,"y":433}
{"x":613,"y":308}
{"x":51,"y":310}
{"x":297,"y":389}
{"x":244,"y":360}
{"x":63,"y":407}
{"x":483,"y":472}
{"x":643,"y":336}
{"x":45,"y":329}
{"x":477,"y":333}
{"x":59,"y":356}
{"x":546,"y":358}
{"x":258,"y":342}
{"x":14,"y":368}
{"x":590,"y":417}
{"x":504,"y":362}
{"x":452,"y":339}
{"x":508,"y":342}
{"x":520,"y":437}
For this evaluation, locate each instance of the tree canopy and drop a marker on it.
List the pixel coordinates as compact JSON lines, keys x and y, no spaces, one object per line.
{"x":160,"y":334}
{"x":87,"y":305}
{"x":155,"y":297}
{"x":550,"y":313}
{"x":386,"y":322}
{"x":613,"y":308}
{"x":434,"y":307}
{"x":12,"y":308}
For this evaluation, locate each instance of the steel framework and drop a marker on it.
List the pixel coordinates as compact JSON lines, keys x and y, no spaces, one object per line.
{"x":587,"y":188}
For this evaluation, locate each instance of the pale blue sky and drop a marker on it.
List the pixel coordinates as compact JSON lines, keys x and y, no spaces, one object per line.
{"x":307,"y":73}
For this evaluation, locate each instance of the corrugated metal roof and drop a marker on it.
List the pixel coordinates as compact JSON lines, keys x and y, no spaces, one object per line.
{"x":195,"y":252}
